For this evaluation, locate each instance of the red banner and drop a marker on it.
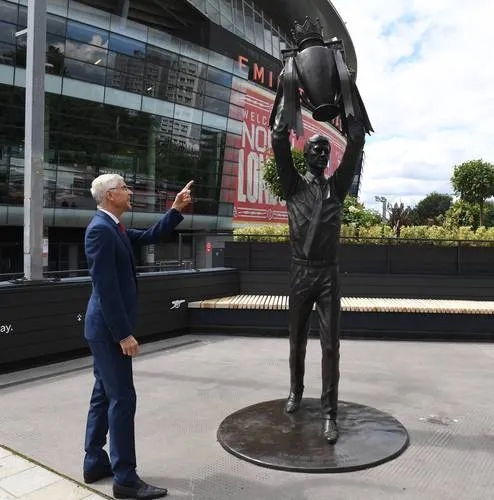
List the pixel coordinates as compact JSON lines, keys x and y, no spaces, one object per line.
{"x":253,"y":201}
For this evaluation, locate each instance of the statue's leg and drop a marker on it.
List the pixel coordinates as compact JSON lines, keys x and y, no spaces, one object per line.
{"x":300,"y":307}
{"x":328,"y":312}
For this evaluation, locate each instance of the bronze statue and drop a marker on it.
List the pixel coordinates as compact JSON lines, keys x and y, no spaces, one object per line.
{"x":314,"y":204}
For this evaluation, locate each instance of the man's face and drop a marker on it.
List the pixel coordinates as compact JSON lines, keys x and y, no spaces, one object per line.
{"x":120,"y":197}
{"x":318,"y":155}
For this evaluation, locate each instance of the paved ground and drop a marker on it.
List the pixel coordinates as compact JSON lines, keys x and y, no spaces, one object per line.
{"x":442,"y":393}
{"x":23,"y":479}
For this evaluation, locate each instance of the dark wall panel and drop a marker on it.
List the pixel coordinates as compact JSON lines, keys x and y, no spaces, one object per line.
{"x":48,"y":319}
{"x":380,"y":285}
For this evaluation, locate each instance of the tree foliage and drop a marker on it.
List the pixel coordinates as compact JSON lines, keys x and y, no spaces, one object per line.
{"x":473,"y":181}
{"x":398,"y":216}
{"x":431,"y":210}
{"x":355,"y":213}
{"x":270,"y":172}
{"x":463,"y":214}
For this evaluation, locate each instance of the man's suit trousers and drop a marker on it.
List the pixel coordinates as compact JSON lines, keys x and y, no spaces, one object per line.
{"x":112,"y":408}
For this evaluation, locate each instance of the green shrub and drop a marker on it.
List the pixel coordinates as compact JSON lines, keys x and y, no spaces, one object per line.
{"x":270,"y":172}
{"x":379,"y":235}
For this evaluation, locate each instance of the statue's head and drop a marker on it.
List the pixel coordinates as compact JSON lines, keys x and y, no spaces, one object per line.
{"x":316,"y":153}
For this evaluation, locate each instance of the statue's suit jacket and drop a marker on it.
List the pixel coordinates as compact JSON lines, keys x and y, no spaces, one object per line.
{"x":112,"y":309}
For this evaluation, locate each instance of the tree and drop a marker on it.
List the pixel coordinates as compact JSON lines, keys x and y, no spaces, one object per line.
{"x":431,"y":210}
{"x":270,"y":172}
{"x":463,"y":214}
{"x":356,"y":214}
{"x":473,"y":181}
{"x":399,"y":216}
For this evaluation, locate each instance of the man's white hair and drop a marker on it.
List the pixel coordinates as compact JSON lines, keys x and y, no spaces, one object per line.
{"x":102,"y":184}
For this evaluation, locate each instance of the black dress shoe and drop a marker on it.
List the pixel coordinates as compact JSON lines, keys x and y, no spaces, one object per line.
{"x":96,"y":475}
{"x":330,"y":430}
{"x":140,"y":490}
{"x":293,"y":402}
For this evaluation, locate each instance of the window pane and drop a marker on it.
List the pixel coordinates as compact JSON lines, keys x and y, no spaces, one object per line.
{"x":276,"y":45}
{"x":83,"y":71}
{"x":7,"y":54}
{"x":238,"y":14}
{"x":226,"y":9}
{"x":215,"y":106}
{"x":160,"y":57}
{"x":127,"y":46}
{"x":249,"y":24}
{"x":217,"y":91}
{"x":84,"y":52}
{"x":218,"y":76}
{"x":55,"y":25}
{"x":267,"y":37}
{"x":121,"y":62}
{"x":54,"y":54}
{"x":192,"y":67}
{"x":124,"y":81}
{"x":8,"y":12}
{"x":7,"y":32}
{"x":87,"y":34}
{"x":22,"y":21}
{"x":259,"y":31}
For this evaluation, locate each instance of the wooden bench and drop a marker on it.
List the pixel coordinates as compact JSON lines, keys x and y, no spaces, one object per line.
{"x":353,"y":304}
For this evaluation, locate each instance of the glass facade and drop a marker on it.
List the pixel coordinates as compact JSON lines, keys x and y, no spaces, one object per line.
{"x":246,"y":20}
{"x":124,"y":97}
{"x":148,"y":106}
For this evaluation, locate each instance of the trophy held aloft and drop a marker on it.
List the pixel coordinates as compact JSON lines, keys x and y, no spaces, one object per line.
{"x":315,"y":72}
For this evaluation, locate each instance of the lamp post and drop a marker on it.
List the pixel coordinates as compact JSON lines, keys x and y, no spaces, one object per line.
{"x":384,"y":201}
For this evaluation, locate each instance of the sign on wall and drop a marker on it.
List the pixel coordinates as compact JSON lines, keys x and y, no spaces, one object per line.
{"x":253,"y":202}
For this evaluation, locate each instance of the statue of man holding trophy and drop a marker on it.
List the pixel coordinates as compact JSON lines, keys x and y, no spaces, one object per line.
{"x":316,"y":74}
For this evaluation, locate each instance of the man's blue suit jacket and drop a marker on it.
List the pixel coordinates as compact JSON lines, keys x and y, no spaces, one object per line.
{"x":111,"y":313}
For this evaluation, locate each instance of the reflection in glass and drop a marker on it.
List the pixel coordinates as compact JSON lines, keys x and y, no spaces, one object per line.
{"x":83,"y":71}
{"x":87,"y":34}
{"x":218,"y":76}
{"x":84,"y":52}
{"x":124,"y":45}
{"x":268,"y":46}
{"x":276,"y":44}
{"x":217,"y":91}
{"x":8,"y":12}
{"x":121,"y":62}
{"x":238,"y":14}
{"x":226,"y":9}
{"x":259,"y":31}
{"x":124,"y":81}
{"x":22,"y":21}
{"x":249,"y":24}
{"x":54,"y":55}
{"x":7,"y":32}
{"x":56,"y":25}
{"x":7,"y":54}
{"x":215,"y":106}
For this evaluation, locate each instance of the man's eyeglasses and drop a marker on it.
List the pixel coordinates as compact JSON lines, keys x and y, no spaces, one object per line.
{"x":123,"y":188}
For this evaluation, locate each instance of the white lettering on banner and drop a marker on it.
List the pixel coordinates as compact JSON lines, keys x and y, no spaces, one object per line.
{"x":251,"y":187}
{"x":240,"y":189}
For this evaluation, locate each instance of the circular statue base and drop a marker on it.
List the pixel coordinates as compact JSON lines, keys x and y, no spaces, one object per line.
{"x":266,"y":435}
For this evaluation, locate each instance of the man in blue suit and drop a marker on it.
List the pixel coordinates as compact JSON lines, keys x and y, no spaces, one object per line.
{"x":109,"y":326}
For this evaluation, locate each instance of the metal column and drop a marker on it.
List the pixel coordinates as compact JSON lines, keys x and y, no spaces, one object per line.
{"x":34,"y":140}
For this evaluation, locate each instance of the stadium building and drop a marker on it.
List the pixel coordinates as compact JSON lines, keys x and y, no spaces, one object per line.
{"x":161,"y":92}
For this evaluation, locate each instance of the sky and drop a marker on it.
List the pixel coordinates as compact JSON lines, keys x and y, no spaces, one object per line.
{"x":426,"y":75}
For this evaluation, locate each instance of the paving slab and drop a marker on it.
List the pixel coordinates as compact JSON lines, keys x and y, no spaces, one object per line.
{"x":441,"y":392}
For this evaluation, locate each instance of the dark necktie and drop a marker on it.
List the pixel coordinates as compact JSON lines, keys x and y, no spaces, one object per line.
{"x":121,"y":227}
